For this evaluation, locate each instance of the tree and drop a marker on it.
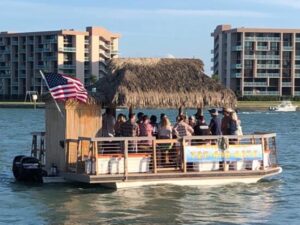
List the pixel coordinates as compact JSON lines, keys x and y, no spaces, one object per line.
{"x":215,"y":77}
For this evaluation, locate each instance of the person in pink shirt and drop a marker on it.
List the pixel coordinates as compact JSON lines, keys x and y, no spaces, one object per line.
{"x":146,"y":129}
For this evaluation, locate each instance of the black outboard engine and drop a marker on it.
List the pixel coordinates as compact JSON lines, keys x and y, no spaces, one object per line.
{"x":27,"y":169}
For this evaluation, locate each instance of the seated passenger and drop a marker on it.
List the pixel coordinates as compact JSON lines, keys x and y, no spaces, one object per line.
{"x":145,"y":127}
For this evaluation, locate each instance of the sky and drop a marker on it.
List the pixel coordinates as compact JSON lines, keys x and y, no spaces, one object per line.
{"x":151,"y":28}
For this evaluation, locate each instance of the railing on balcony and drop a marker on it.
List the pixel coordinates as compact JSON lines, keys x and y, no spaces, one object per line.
{"x":268,"y":66}
{"x":297,"y":93}
{"x":265,"y":93}
{"x":265,"y":75}
{"x":67,"y":49}
{"x":286,"y":84}
{"x":275,"y":39}
{"x":287,"y":48}
{"x":237,"y":48}
{"x":67,"y":67}
{"x":268,"y":57}
{"x":255,"y":84}
{"x":236,"y":75}
{"x":262,"y":48}
{"x":297,"y":66}
{"x":236,"y":66}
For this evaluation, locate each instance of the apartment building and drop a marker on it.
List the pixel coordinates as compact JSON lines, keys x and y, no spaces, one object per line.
{"x":82,"y":54}
{"x":256,"y":61}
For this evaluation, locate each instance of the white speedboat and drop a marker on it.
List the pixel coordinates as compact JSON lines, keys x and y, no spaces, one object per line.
{"x":284,"y":106}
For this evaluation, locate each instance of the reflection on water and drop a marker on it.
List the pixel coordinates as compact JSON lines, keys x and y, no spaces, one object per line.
{"x":267,"y":202}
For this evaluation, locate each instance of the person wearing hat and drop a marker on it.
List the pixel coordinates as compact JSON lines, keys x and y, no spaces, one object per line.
{"x":226,"y":121}
{"x":215,"y":123}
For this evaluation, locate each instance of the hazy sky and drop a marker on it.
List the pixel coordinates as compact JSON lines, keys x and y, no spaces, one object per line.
{"x":151,"y":28}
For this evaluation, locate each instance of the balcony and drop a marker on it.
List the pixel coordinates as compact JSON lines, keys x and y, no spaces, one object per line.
{"x":67,"y":67}
{"x":86,"y":50}
{"x":50,"y":58}
{"x":297,"y":66}
{"x":22,"y":75}
{"x":265,"y":93}
{"x":297,"y":93}
{"x":5,"y":75}
{"x":30,"y":42}
{"x":50,"y":41}
{"x":86,"y":42}
{"x":237,"y":48}
{"x":86,"y":58}
{"x":5,"y":67}
{"x":236,"y":75}
{"x":297,"y":57}
{"x":39,"y":49}
{"x":30,"y":58}
{"x":297,"y":75}
{"x":262,"y":48}
{"x":115,"y":52}
{"x":274,"y":39}
{"x":106,"y":46}
{"x":40,"y":67}
{"x":270,"y":75}
{"x":249,"y":57}
{"x":255,"y":84}
{"x":297,"y":39}
{"x":22,"y":67}
{"x":105,"y":54}
{"x":14,"y":42}
{"x":236,"y":66}
{"x":268,"y":57}
{"x":67,"y":49}
{"x":286,"y":84}
{"x":287,"y":48}
{"x":268,"y":66}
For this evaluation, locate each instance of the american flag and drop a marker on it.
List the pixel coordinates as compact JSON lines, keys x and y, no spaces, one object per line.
{"x":63,"y":87}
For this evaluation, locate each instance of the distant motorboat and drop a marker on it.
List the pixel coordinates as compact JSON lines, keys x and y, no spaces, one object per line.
{"x":284,"y":106}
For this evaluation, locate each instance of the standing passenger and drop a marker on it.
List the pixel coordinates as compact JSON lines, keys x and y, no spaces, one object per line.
{"x":140,"y":117}
{"x":108,"y":124}
{"x":225,"y":125}
{"x":120,"y":120}
{"x":130,"y":128}
{"x":181,"y":128}
{"x":153,"y":122}
{"x":235,"y":124}
{"x":201,"y":128}
{"x":215,"y":123}
{"x":145,"y":127}
{"x":165,"y":129}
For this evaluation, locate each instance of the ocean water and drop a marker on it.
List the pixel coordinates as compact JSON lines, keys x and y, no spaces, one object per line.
{"x":274,"y":201}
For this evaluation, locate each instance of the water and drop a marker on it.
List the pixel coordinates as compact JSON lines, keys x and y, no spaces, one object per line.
{"x":268,"y":202}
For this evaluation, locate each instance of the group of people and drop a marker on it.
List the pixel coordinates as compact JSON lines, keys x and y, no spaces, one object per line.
{"x":142,"y":125}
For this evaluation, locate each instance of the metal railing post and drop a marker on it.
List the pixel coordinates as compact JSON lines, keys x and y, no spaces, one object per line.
{"x":125,"y":159}
{"x":183,"y":155}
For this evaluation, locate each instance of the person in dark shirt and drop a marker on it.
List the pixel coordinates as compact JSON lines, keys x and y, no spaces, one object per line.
{"x":226,"y":121}
{"x":215,"y":123}
{"x":201,"y":128}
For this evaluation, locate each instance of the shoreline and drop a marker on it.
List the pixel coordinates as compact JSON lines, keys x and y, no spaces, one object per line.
{"x":242,"y":105}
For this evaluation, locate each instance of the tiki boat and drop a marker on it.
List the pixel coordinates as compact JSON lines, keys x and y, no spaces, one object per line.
{"x":76,"y":150}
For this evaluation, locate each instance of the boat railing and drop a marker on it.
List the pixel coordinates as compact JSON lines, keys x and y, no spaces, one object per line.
{"x":38,"y":146}
{"x":126,"y":156}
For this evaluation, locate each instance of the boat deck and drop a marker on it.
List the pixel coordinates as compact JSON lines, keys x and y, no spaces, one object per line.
{"x":168,"y":175}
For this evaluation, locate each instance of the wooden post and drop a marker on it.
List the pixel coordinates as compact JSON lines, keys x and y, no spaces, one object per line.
{"x":263,"y":152}
{"x":95,"y":150}
{"x":78,"y":149}
{"x":67,"y":143}
{"x":125,"y":159}
{"x":154,"y":157}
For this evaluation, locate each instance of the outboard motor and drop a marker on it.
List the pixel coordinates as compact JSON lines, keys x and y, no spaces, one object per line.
{"x":27,"y":169}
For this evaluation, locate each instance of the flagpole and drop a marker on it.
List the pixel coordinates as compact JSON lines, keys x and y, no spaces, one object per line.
{"x":57,"y":106}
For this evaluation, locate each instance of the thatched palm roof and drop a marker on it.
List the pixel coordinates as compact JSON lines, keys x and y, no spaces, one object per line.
{"x":161,"y":83}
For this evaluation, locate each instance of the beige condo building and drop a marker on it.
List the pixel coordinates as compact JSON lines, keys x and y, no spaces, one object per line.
{"x":82,"y":54}
{"x":256,"y":61}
